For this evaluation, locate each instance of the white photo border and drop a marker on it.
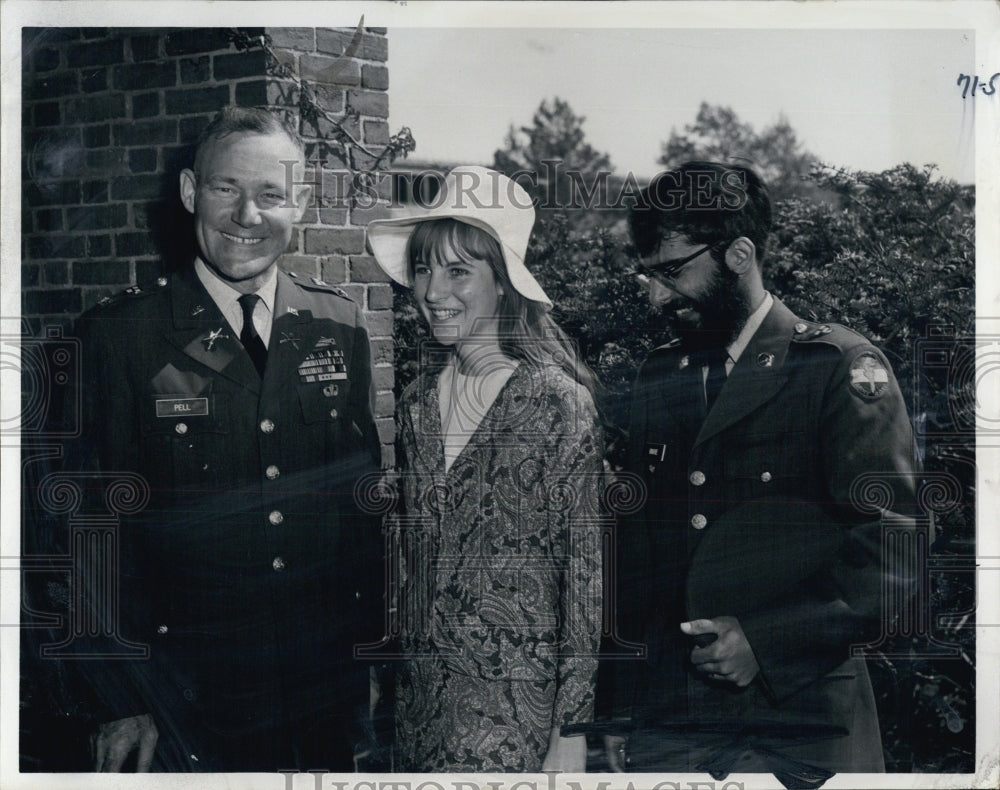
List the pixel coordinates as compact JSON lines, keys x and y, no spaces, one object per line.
{"x":982,"y":16}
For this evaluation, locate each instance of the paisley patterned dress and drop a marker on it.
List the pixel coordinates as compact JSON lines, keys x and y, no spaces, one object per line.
{"x":499,"y":605}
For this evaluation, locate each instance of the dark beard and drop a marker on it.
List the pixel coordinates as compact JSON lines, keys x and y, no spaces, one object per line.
{"x":723,"y":310}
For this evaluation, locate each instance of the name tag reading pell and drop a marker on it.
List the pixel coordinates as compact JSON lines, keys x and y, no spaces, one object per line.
{"x":177,"y":407}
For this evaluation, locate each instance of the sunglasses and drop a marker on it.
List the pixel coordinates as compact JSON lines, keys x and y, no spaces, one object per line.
{"x":667,"y":270}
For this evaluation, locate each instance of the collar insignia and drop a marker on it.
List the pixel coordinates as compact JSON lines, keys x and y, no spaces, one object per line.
{"x":213,"y":336}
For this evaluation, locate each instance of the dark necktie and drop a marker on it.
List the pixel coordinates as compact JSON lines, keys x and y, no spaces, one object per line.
{"x":716,"y":361}
{"x":248,"y":335}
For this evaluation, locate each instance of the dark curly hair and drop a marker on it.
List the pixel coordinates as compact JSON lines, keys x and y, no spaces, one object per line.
{"x":705,"y":202}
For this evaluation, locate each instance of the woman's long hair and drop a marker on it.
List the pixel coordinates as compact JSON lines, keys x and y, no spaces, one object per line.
{"x":526,"y":330}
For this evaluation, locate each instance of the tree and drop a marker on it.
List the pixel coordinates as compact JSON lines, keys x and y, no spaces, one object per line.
{"x":892,"y":257}
{"x":553,"y":161}
{"x":718,"y":135}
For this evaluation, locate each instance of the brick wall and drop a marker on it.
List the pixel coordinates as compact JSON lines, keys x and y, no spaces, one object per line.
{"x":109,"y":118}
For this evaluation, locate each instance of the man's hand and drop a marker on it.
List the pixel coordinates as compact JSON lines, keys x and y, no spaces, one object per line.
{"x":115,"y":740}
{"x":614,"y":750}
{"x":729,"y":658}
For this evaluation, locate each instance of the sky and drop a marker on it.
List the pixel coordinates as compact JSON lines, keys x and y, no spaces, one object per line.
{"x":866,"y":99}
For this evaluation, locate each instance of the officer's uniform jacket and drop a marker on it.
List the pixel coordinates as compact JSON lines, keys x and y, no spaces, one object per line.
{"x":250,"y":573}
{"x":807,"y":412}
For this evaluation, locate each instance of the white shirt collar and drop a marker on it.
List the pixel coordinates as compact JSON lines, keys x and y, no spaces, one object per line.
{"x":738,"y":346}
{"x":226,"y":297}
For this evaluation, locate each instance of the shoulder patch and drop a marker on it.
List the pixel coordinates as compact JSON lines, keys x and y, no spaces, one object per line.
{"x":869,"y":377}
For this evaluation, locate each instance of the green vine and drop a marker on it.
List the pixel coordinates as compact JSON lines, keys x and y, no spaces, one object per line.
{"x":311,"y":109}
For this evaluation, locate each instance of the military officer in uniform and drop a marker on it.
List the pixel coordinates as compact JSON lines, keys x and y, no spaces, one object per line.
{"x":243,"y":396}
{"x":757,"y":560}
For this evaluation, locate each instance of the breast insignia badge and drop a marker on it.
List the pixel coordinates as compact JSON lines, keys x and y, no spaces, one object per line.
{"x":290,"y":337}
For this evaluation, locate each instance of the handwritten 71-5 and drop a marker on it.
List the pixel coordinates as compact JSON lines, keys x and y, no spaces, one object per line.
{"x":988,"y":87}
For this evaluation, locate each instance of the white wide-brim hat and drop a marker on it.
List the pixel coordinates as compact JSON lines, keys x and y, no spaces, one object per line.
{"x":480,"y":197}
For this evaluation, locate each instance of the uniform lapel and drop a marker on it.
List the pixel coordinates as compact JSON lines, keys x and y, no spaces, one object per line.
{"x":203,"y":334}
{"x":758,"y":375}
{"x":684,"y":396}
{"x":294,"y":333}
{"x":667,"y":410}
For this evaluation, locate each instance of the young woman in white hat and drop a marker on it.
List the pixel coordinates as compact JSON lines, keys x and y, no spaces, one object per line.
{"x":501,"y":456}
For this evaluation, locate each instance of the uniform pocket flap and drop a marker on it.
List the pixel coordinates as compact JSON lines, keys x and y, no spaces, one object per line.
{"x":323,"y":401}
